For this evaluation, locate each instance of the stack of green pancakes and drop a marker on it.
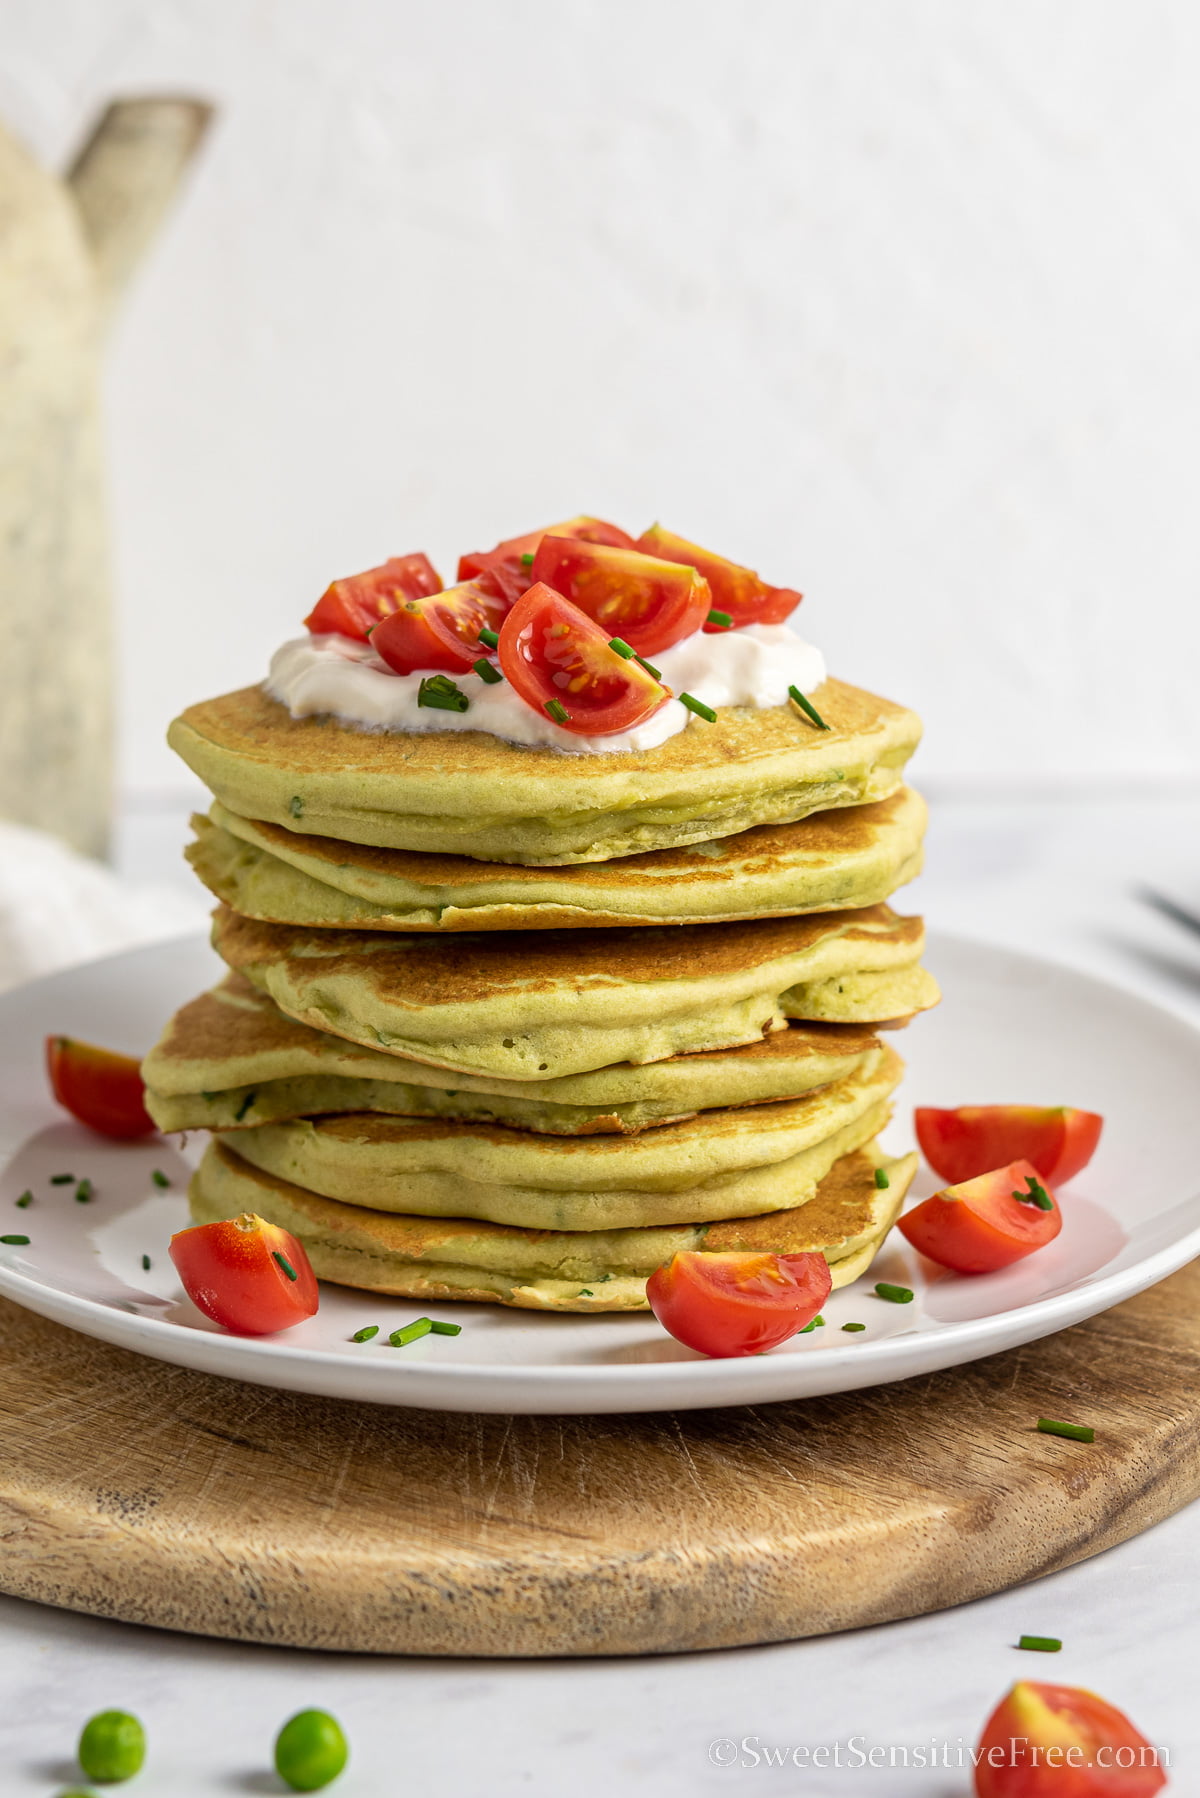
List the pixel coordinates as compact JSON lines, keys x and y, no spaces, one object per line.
{"x":510,"y":1024}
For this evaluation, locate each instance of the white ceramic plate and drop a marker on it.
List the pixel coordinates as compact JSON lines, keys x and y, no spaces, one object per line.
{"x":1010,"y":1029}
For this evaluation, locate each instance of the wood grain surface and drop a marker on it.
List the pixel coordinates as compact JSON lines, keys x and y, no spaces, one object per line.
{"x":134,"y":1490}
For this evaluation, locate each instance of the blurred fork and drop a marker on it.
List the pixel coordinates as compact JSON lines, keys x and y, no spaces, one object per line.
{"x":1170,"y":908}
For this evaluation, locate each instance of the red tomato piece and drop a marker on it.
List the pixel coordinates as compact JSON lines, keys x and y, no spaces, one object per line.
{"x":553,"y":655}
{"x":352,"y":605}
{"x":648,"y":602}
{"x":1062,"y":1742}
{"x":509,"y":553}
{"x":249,"y":1276}
{"x":439,"y":632}
{"x":1058,"y":1140}
{"x":736,"y":590}
{"x":982,"y":1224}
{"x":737,"y":1304}
{"x":99,"y":1087}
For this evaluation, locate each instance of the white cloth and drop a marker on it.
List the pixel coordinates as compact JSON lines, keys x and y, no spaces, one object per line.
{"x":58,"y":907}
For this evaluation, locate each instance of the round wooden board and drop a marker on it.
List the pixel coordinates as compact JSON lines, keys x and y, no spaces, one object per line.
{"x":135,"y":1490}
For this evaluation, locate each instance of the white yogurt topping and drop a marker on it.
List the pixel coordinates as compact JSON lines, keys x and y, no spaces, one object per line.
{"x":751,"y":667}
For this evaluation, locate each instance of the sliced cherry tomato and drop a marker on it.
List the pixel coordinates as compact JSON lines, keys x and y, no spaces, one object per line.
{"x":986,"y":1223}
{"x":554,"y":656}
{"x":736,"y":590}
{"x":1061,"y":1742}
{"x":648,"y":602}
{"x":507,"y":555}
{"x":439,"y":632}
{"x":737,"y":1304}
{"x":1058,"y":1140}
{"x":355,"y":603}
{"x":99,"y":1087}
{"x":246,"y":1274}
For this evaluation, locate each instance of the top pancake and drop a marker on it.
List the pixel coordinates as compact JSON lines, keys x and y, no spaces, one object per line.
{"x":468,"y":793}
{"x":830,"y":861}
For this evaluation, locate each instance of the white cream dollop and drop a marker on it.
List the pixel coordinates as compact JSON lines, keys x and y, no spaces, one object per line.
{"x":751,"y":667}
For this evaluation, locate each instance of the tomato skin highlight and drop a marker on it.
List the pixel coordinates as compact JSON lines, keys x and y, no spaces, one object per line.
{"x":1046,"y":1741}
{"x":978,"y":1226}
{"x":736,"y":590}
{"x":507,"y":555}
{"x":551,"y":651}
{"x":1059,"y":1140}
{"x":737,"y":1304}
{"x":439,"y":632}
{"x":230,"y":1271}
{"x":649,"y":602}
{"x":351,"y":606}
{"x":100,"y":1088}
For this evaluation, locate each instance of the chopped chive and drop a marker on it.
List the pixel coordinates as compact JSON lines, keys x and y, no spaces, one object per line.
{"x":648,"y":666}
{"x":585,"y":1292}
{"x":295,"y":805}
{"x":366,"y":1333}
{"x":721,"y":618}
{"x":896,"y":1295}
{"x":85,"y":1191}
{"x":882,"y":1179}
{"x":160,"y":1179}
{"x":62,"y":1179}
{"x":557,"y":711}
{"x":623,"y":649}
{"x":411,"y":1332}
{"x":244,"y":1107}
{"x":698,"y":706}
{"x":1043,"y":1644}
{"x":25,"y":1199}
{"x":145,"y":1264}
{"x":285,"y":1264}
{"x":441,"y":1329}
{"x":441,"y":695}
{"x":1035,"y":1194}
{"x":16,"y":1242}
{"x":527,"y":559}
{"x":797,"y":697}
{"x":489,"y":638}
{"x":814,"y":1325}
{"x":854,"y":1326}
{"x":1077,"y":1432}
{"x":485,"y":671}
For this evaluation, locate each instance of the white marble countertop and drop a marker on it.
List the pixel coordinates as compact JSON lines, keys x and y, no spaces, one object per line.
{"x":1056,"y":878}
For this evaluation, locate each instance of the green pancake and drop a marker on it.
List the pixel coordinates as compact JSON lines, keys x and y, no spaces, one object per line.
{"x":721,"y":1164}
{"x":539,"y":1270}
{"x":527,"y":1005}
{"x":831,"y":861}
{"x":231,"y":1059}
{"x":468,"y":793}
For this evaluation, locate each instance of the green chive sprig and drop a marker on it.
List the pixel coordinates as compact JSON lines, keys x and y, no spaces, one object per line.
{"x":698,"y":706}
{"x":490,"y":676}
{"x":244,"y":1107}
{"x":145,"y":1264}
{"x":807,"y":707}
{"x":160,"y":1179}
{"x":1035,"y":1194}
{"x":1075,"y":1432}
{"x":882,"y":1179}
{"x":62,"y":1179}
{"x":440,"y":694}
{"x":854,"y":1326}
{"x":558,"y":711}
{"x":285,"y":1264}
{"x":629,"y":654}
{"x":441,"y":1329}
{"x":85,"y":1192}
{"x":720,"y":618}
{"x":15,"y":1242}
{"x":1041,"y":1644}
{"x":366,"y":1333}
{"x":814,"y":1325}
{"x":25,"y":1200}
{"x":527,"y":559}
{"x":411,"y":1332}
{"x":488,"y":638}
{"x":895,"y":1295}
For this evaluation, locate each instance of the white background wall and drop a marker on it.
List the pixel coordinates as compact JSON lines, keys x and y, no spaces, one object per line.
{"x":895,"y":299}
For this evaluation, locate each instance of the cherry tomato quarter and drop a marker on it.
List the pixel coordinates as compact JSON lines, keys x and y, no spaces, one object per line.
{"x":553,"y":655}
{"x":509,"y":553}
{"x":351,"y":606}
{"x":735,"y":590}
{"x":250,"y":1276}
{"x":959,"y":1144}
{"x":1046,"y":1741}
{"x":648,"y":602}
{"x":102,"y":1089}
{"x":439,"y":632}
{"x":982,"y":1224}
{"x":737,"y":1304}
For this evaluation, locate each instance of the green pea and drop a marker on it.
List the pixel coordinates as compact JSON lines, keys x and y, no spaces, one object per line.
{"x":310,"y":1751}
{"x":112,"y":1746}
